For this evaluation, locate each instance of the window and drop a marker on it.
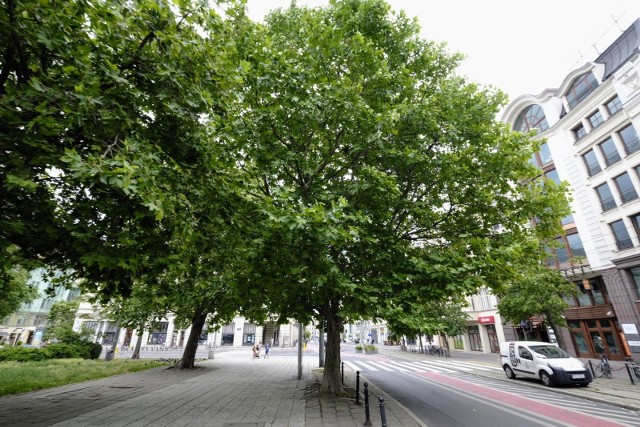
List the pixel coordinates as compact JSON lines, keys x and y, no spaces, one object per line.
{"x":635,"y":277}
{"x":635,"y":220}
{"x":579,"y":131}
{"x":630,"y":139}
{"x":590,"y":292}
{"x":562,"y":253}
{"x":575,"y":245}
{"x":553,"y":175}
{"x":591,"y":162}
{"x":545,"y":154}
{"x":606,"y":197}
{"x":531,"y":118}
{"x":580,"y":89}
{"x":159,"y":334}
{"x":625,"y":187}
{"x":609,"y":152}
{"x":568,"y":219}
{"x":620,"y":233}
{"x":595,"y":119}
{"x":614,"y":105}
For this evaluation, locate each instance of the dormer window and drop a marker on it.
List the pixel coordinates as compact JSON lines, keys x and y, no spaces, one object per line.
{"x":581,"y":87}
{"x":579,"y":131}
{"x":531,"y":118}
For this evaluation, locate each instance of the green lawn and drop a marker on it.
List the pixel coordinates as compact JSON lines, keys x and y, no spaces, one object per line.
{"x":20,"y":377}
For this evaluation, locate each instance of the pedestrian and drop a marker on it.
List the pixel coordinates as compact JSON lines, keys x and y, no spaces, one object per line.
{"x":266,"y":351}
{"x":256,"y":351}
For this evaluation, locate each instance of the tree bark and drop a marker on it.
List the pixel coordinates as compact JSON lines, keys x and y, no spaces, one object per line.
{"x":331,"y":379}
{"x":136,"y":351}
{"x":189,"y":355}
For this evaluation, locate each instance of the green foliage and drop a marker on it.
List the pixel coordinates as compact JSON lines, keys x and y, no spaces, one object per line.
{"x":370,"y":347}
{"x":14,"y":289}
{"x":85,"y":350}
{"x":22,"y":354}
{"x":359,"y":347}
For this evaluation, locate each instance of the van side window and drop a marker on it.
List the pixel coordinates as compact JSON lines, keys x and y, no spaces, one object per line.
{"x":524,"y":353}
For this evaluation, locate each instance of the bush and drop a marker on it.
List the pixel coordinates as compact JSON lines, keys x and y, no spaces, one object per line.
{"x":359,"y":347}
{"x":370,"y":347}
{"x":63,"y":351}
{"x":21,"y":354}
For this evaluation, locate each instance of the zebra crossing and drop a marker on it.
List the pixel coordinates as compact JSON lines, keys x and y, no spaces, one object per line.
{"x":438,"y":366}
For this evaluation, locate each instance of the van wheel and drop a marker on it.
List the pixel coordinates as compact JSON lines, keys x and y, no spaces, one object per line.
{"x":546,"y":379}
{"x":509,"y":372}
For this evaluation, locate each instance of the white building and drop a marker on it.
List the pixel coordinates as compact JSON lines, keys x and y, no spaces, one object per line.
{"x":591,"y":124}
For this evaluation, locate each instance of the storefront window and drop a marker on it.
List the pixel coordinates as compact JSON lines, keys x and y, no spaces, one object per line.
{"x":474,"y":338}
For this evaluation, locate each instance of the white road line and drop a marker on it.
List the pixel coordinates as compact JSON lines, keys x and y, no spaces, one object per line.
{"x":367,"y":366}
{"x":352,"y":365}
{"x":381,"y":366}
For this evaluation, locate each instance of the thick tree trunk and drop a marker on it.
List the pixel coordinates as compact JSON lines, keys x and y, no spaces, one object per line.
{"x":189,"y":355}
{"x":136,"y":351}
{"x":331,"y":380}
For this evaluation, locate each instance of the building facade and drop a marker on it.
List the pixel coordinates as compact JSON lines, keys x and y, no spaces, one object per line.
{"x":27,"y":325}
{"x":590,"y":128}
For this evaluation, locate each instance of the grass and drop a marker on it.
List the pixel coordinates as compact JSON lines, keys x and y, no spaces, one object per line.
{"x":20,"y":377}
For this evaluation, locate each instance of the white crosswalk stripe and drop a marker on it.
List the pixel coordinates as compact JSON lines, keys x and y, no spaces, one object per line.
{"x":416,"y":366}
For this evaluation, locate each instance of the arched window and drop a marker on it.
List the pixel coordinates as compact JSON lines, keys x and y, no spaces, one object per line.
{"x":531,"y":118}
{"x":580,"y":88}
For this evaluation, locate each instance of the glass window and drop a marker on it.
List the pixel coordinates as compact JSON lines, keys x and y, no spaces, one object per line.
{"x":545,"y":154}
{"x":531,"y":118}
{"x":630,"y":139}
{"x":595,"y":119}
{"x":580,"y":88}
{"x":553,"y":175}
{"x":575,"y":244}
{"x":591,"y":162}
{"x":614,"y":105}
{"x":609,"y":152}
{"x":625,"y":187}
{"x":584,"y":300}
{"x":568,"y":220}
{"x":606,"y":197}
{"x":562,"y":253}
{"x":579,"y":131}
{"x":635,"y":276}
{"x":635,"y":220}
{"x":623,"y":240}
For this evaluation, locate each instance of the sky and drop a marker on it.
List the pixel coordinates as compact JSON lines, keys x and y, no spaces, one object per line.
{"x":519,"y":47}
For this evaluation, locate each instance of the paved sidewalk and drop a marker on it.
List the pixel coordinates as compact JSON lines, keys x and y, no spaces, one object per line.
{"x":231,"y":390}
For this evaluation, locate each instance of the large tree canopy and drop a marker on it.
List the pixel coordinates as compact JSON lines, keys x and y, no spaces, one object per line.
{"x":103,"y":106}
{"x":382,"y":174}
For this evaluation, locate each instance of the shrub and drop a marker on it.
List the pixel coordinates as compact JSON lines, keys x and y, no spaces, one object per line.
{"x":63,"y":351}
{"x":370,"y":347}
{"x":359,"y":347}
{"x":21,"y":354}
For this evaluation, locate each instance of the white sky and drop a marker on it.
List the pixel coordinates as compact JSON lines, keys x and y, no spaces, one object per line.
{"x":519,"y":47}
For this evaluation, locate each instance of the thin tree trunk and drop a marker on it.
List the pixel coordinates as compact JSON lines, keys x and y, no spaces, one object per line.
{"x":189,"y":355}
{"x":136,"y":351}
{"x":331,"y":380}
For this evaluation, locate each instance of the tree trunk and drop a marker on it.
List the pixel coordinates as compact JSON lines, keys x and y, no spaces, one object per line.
{"x":189,"y":355}
{"x":136,"y":351}
{"x":422,"y":350}
{"x":331,"y":379}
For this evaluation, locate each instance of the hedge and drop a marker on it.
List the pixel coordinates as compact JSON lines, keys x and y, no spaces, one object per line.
{"x":84,"y":350}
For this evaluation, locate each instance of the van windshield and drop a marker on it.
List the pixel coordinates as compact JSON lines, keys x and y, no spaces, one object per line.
{"x":550,"y":351}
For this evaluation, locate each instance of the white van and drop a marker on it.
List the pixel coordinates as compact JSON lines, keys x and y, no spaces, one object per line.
{"x":548,"y":362}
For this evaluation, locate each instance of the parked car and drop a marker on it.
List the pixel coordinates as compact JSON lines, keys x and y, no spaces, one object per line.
{"x":548,"y":362}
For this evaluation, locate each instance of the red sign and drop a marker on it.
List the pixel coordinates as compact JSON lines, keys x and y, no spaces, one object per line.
{"x":486,"y":320}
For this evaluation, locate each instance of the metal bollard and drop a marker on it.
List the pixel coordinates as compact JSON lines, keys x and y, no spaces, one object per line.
{"x":342,"y":373}
{"x":357,"y":387}
{"x":593,"y":372}
{"x":632,"y":376}
{"x":367,"y":421}
{"x":383,"y":415}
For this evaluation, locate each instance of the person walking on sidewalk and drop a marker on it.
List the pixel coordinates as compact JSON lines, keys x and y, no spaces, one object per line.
{"x":267,"y":347}
{"x":256,"y":351}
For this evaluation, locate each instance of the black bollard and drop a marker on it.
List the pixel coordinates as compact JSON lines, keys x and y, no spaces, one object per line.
{"x":383,"y":415}
{"x":593,"y":372}
{"x":357,"y":387}
{"x":367,"y":421}
{"x":342,"y":373}
{"x":632,"y":377}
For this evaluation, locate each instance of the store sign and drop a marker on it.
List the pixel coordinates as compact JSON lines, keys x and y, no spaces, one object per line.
{"x":486,"y":320}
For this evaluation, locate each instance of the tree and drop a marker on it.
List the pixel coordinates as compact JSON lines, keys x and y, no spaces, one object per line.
{"x":540,"y":292}
{"x":15,"y":290}
{"x":103,"y":106}
{"x":60,"y":323}
{"x":381,"y":174}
